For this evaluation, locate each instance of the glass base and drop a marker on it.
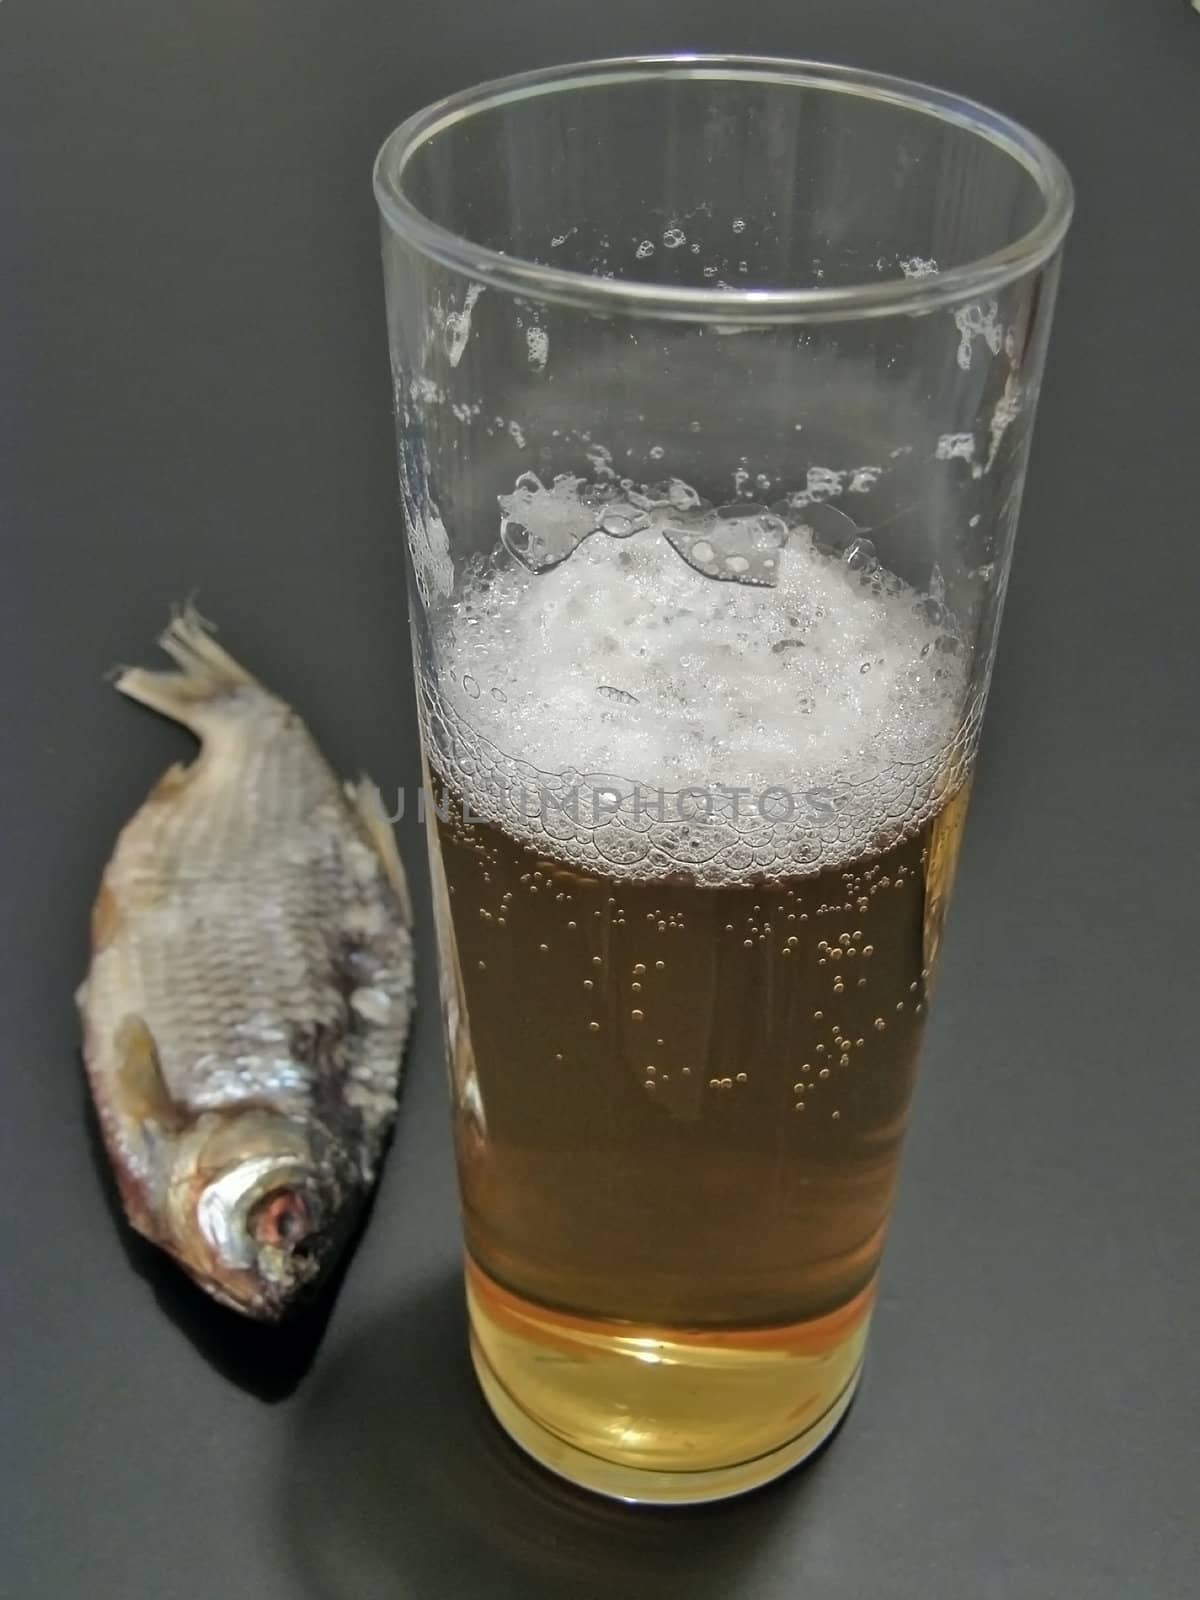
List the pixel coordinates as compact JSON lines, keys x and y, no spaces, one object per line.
{"x":661,"y":1416}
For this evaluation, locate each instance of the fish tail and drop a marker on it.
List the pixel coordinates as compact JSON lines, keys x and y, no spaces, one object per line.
{"x":207,"y":672}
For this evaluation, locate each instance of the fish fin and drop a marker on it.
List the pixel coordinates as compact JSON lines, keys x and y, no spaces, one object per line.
{"x":364,"y":796}
{"x":106,"y":915}
{"x":177,"y":776}
{"x":207,"y":672}
{"x":143,"y":1089}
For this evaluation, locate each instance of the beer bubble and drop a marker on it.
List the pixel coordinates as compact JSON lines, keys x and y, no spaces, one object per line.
{"x":597,"y":961}
{"x":588,"y":984}
{"x":482,"y":965}
{"x":594,"y":1027}
{"x":835,"y":1115}
{"x":636,"y":987}
{"x":659,"y":965}
{"x":880,"y":1024}
{"x":639,"y":967}
{"x":637,"y":1016}
{"x":743,"y":1077}
{"x":824,"y":1072}
{"x":843,"y":1060}
{"x":543,"y":948}
{"x":610,"y":690}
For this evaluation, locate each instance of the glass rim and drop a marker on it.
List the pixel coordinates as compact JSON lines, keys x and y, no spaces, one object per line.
{"x":745,"y":307}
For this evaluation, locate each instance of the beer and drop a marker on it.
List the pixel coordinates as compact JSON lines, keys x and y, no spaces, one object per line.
{"x":683,"y":1037}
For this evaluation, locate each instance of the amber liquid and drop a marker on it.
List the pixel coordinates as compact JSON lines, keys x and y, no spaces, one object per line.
{"x":679,"y":1111}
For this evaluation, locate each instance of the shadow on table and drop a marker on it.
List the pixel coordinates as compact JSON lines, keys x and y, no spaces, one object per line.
{"x":399,"y":1483}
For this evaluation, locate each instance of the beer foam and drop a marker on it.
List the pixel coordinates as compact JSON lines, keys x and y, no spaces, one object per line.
{"x":811,"y":719}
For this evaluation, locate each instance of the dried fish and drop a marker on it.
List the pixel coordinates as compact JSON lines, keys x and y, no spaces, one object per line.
{"x":250,"y":990}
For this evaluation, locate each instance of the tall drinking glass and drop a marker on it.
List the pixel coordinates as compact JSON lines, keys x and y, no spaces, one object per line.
{"x":714,"y":384}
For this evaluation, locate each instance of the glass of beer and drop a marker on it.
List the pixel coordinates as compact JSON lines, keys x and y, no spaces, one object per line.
{"x":714,"y":383}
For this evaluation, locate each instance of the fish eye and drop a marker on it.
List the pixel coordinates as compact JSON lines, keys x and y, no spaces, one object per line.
{"x":281,"y":1219}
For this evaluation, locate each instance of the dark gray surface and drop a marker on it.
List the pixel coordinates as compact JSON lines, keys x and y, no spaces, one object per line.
{"x":195,"y":396}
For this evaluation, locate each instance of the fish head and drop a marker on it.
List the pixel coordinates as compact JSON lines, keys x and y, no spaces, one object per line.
{"x":259,"y":1209}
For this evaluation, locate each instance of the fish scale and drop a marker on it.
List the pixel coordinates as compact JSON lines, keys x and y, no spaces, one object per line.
{"x":245,"y":1097}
